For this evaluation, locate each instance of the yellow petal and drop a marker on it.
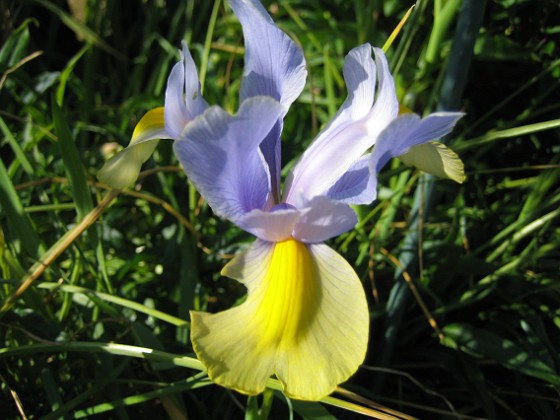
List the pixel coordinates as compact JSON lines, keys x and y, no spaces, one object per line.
{"x":149,"y":127}
{"x":122,"y":169}
{"x":305,"y":320}
{"x":436,"y":159}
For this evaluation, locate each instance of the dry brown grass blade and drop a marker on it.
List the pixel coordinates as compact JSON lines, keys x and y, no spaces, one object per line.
{"x":57,"y":249}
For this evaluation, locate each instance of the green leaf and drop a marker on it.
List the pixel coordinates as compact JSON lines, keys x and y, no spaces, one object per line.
{"x":312,"y":410}
{"x":17,"y":219}
{"x":125,"y":303}
{"x":482,"y":343}
{"x":15,"y":145}
{"x":14,"y":47}
{"x":500,"y":48}
{"x":72,"y":163}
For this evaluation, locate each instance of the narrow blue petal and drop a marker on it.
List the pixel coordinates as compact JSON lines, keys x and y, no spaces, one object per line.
{"x":274,"y":66}
{"x":322,"y":219}
{"x":355,"y":186}
{"x":175,"y":111}
{"x":220,"y":154}
{"x":183,"y":99}
{"x":275,"y":226}
{"x":406,"y":131}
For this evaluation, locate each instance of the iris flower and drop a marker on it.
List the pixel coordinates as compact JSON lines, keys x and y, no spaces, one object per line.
{"x":305,"y":319}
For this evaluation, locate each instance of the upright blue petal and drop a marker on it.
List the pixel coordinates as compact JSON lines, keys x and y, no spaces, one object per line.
{"x":183,"y":100}
{"x":370,"y":106}
{"x":274,"y":66}
{"x":220,"y":154}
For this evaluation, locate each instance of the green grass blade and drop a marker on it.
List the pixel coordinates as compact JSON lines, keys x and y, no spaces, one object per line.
{"x":174,"y":388}
{"x":65,"y":74}
{"x":482,"y":343}
{"x":72,"y":163}
{"x":16,"y":148}
{"x":125,"y":303}
{"x":507,"y":134}
{"x":13,"y":209}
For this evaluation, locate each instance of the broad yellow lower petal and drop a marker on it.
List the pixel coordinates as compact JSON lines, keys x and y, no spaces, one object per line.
{"x":122,"y":169}
{"x":436,"y":159}
{"x":305,"y":320}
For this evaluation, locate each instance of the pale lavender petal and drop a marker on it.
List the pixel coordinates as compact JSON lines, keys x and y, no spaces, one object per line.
{"x":220,"y":154}
{"x":322,"y":219}
{"x":353,"y":130}
{"x":355,"y":186}
{"x":274,"y":66}
{"x":183,"y":100}
{"x":275,"y":226}
{"x":406,"y":131}
{"x":176,"y":116}
{"x":194,"y":101}
{"x":386,"y":107}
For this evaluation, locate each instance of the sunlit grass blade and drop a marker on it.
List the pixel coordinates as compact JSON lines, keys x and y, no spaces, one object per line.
{"x":397,"y":29}
{"x":444,"y":14}
{"x":125,"y":303}
{"x":160,"y":394}
{"x":507,"y":134}
{"x":161,"y":356}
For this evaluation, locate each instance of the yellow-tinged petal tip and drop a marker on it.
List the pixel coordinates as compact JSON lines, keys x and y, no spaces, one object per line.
{"x":150,"y":125}
{"x":122,"y":170}
{"x":436,"y":159}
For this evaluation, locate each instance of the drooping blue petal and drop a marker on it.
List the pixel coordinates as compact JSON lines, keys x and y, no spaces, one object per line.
{"x":406,"y":131}
{"x":183,"y":100}
{"x":220,"y":154}
{"x":353,"y":130}
{"x":275,"y":226}
{"x":274,"y":66}
{"x":322,"y":219}
{"x":355,"y":186}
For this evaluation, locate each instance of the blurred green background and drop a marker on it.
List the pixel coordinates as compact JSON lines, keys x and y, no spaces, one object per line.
{"x":462,"y":280}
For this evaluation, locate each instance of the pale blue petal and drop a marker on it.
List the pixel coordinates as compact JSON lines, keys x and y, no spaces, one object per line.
{"x":274,"y":66}
{"x":406,"y":131}
{"x":322,"y":219}
{"x":353,"y":130}
{"x":274,"y":226}
{"x":355,"y":186}
{"x":386,"y":107}
{"x":194,"y":101}
{"x":183,"y":100}
{"x":220,"y":154}
{"x":175,"y":110}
